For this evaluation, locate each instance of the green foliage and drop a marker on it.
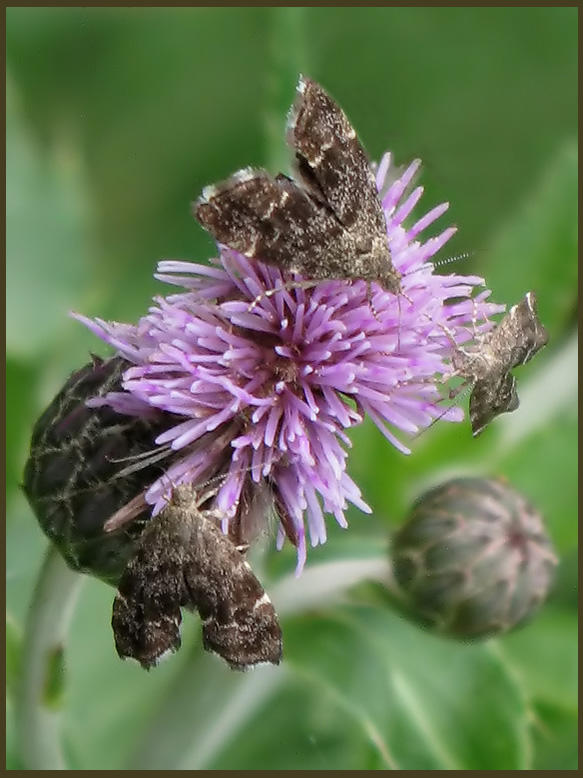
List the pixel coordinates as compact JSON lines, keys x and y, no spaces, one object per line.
{"x":116,"y":120}
{"x":13,"y":656}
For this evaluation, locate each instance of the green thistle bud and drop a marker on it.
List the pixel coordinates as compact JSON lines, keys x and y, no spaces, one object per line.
{"x":473,"y":559}
{"x":74,"y":478}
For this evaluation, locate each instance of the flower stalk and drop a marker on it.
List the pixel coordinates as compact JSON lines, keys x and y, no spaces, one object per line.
{"x":42,"y":681}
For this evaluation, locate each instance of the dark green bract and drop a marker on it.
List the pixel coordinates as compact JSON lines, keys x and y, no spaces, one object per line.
{"x":474,"y":558}
{"x":73,"y":478}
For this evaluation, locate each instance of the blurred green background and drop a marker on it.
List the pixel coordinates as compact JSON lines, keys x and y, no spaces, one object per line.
{"x":116,"y":118}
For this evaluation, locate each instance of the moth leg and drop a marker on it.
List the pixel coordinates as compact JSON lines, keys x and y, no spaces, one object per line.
{"x":288,"y":285}
{"x":411,"y":303}
{"x":476,"y":334}
{"x":371,"y":305}
{"x":399,"y":327}
{"x":457,"y":349}
{"x":447,"y":332}
{"x":466,"y":385}
{"x":463,"y":390}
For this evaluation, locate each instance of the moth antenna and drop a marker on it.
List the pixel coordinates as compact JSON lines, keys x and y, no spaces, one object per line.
{"x":142,"y":455}
{"x":455,"y":258}
{"x":476,"y":336}
{"x":223,"y":476}
{"x":130,"y":511}
{"x":309,"y":284}
{"x":439,"y":262}
{"x":133,"y":508}
{"x":141,"y":461}
{"x":455,"y":392}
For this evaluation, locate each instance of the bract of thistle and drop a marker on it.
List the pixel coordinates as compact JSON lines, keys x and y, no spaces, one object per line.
{"x":273,"y":389}
{"x":86,"y":464}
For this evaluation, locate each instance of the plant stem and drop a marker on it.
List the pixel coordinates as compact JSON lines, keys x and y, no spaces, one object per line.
{"x":323,"y":583}
{"x":38,"y":709}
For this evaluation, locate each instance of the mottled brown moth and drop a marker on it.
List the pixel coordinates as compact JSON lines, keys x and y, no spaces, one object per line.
{"x":328,"y":223}
{"x":184,"y":561}
{"x":487,"y":364}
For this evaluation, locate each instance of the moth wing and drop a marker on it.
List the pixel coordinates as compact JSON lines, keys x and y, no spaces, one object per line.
{"x":254,"y":638}
{"x":146,"y":610}
{"x":264,"y":218}
{"x":331,"y":161}
{"x":520,"y":334}
{"x":239,"y":622}
{"x":489,"y":398}
{"x":245,"y":631}
{"x":534,"y":335}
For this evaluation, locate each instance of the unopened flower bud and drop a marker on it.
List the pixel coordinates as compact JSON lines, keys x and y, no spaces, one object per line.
{"x":79,"y":471}
{"x":473,"y":559}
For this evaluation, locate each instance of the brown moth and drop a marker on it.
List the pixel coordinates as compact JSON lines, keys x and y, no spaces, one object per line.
{"x":487,"y":364}
{"x":327,"y":224}
{"x":184,"y":561}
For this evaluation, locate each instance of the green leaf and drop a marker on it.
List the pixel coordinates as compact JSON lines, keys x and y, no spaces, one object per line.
{"x":541,"y":438}
{"x":555,"y":738}
{"x":289,"y":57}
{"x":13,"y":757}
{"x":21,"y":378}
{"x":369,"y":669}
{"x":544,"y":654}
{"x":218,"y":703}
{"x":13,"y":655}
{"x":537,"y":248}
{"x":54,"y":687}
{"x":109,"y":701}
{"x":48,"y":257}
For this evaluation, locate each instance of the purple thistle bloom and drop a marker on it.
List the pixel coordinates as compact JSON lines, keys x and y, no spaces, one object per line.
{"x":261,"y":388}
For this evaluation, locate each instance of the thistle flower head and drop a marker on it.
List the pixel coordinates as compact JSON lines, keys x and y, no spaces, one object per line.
{"x":261,"y":379}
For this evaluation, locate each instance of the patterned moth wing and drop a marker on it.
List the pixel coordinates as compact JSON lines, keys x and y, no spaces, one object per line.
{"x":520,"y":334}
{"x":334,"y":167}
{"x":515,"y":341}
{"x":329,"y":224}
{"x":184,"y":560}
{"x":489,"y":398}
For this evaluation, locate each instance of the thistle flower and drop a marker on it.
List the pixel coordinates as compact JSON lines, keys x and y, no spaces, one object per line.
{"x":260,"y":379}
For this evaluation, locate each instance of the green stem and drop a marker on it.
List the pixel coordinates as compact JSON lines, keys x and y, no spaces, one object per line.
{"x":326,"y":582}
{"x":38,"y":714}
